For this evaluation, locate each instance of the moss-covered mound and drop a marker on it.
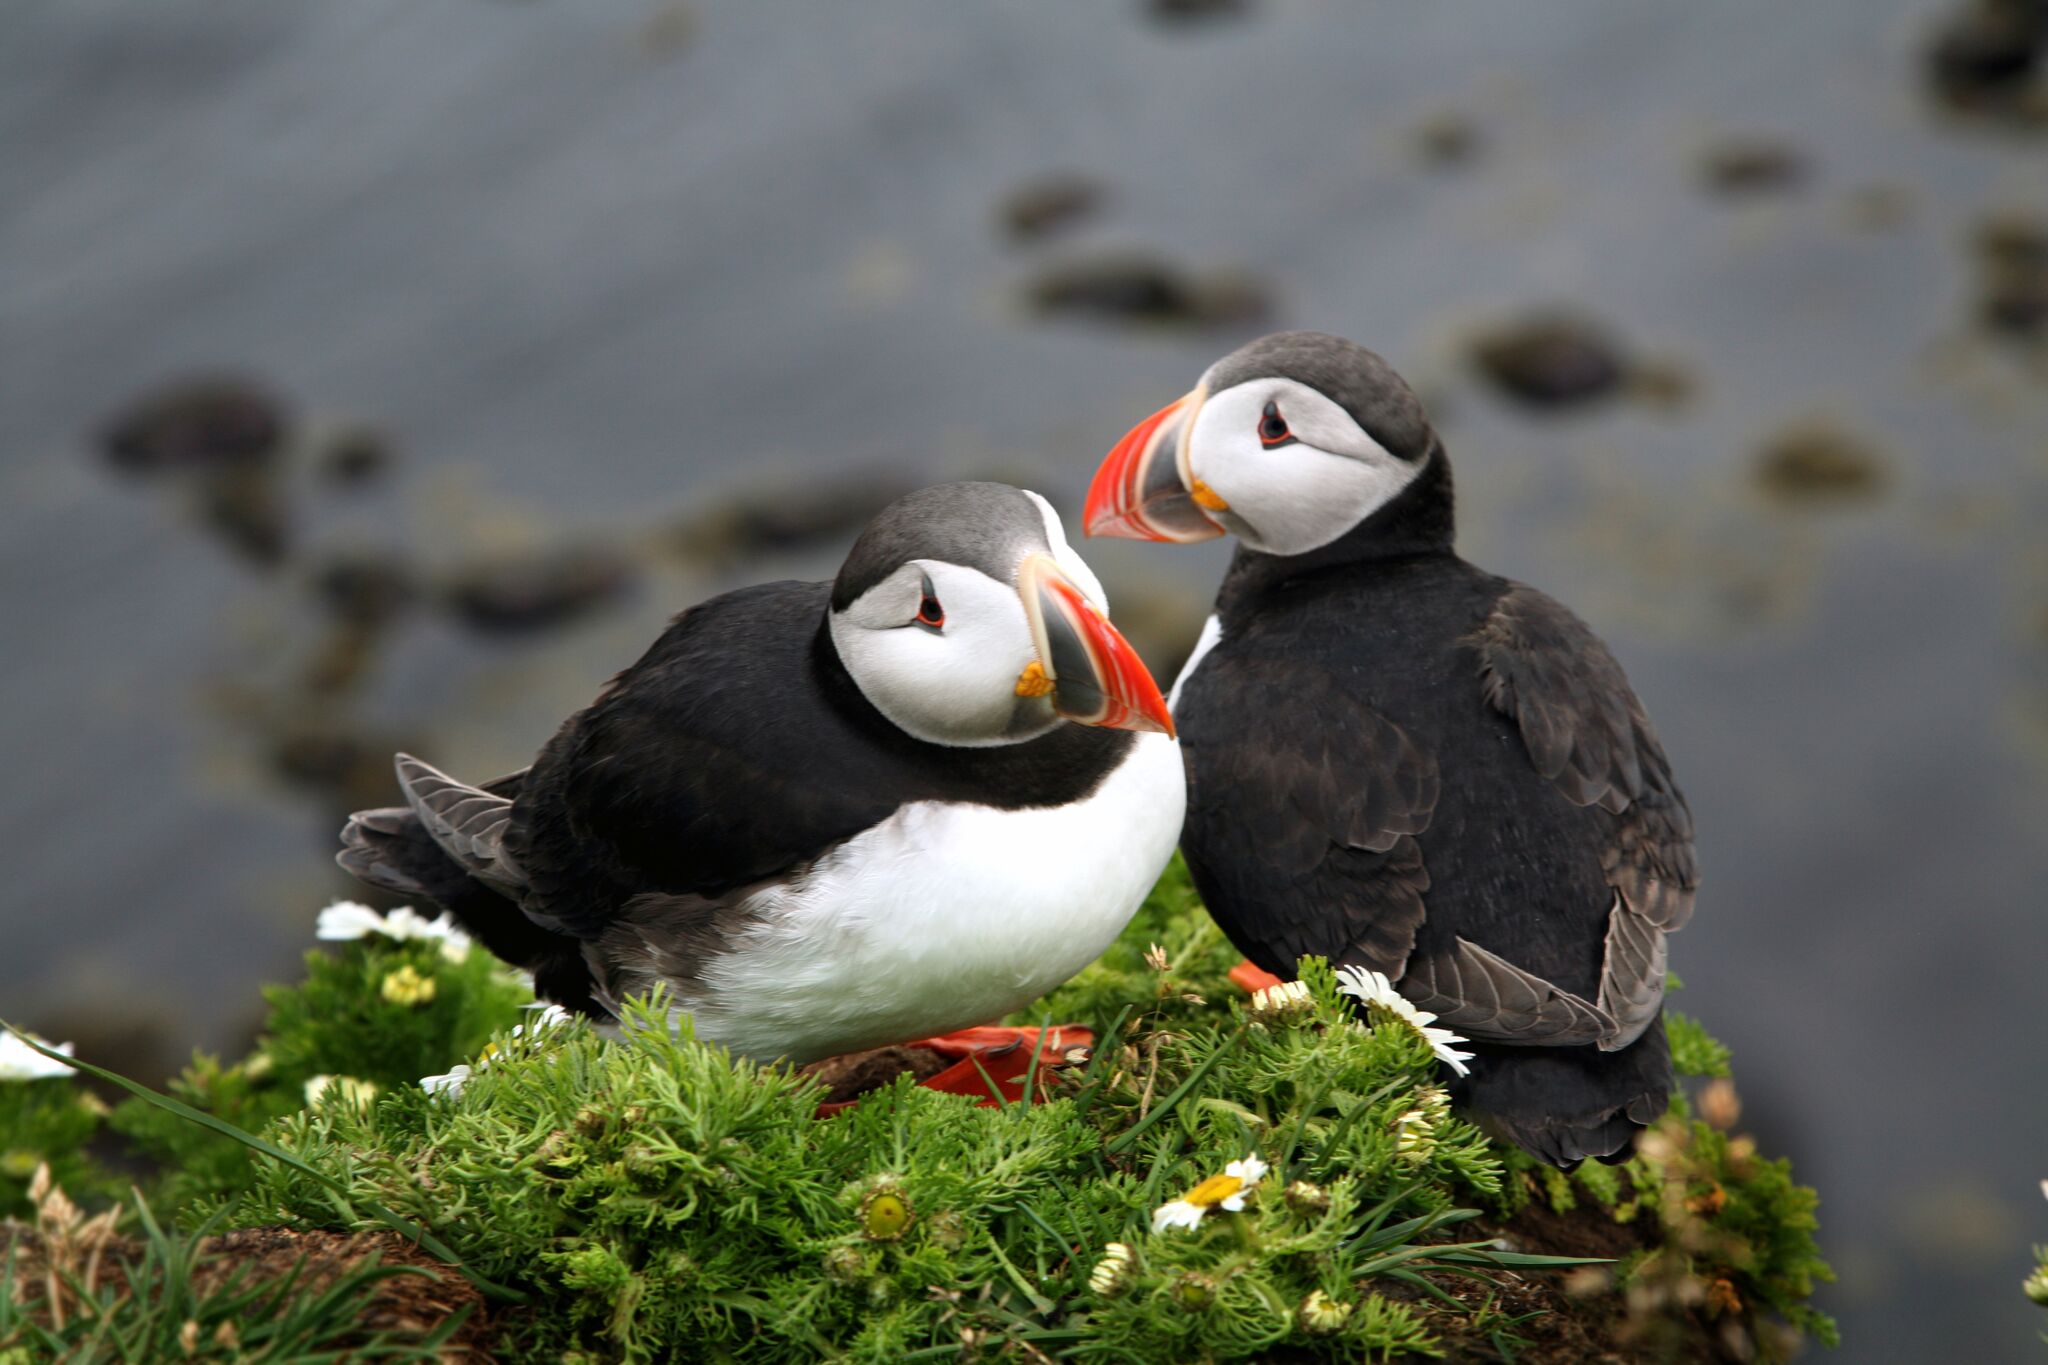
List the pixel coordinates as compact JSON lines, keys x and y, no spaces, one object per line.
{"x":648,"y":1198}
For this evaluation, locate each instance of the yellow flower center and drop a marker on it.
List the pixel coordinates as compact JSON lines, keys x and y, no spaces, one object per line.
{"x":1214,"y":1191}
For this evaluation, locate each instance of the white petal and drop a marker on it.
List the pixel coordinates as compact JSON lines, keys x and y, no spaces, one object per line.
{"x":1234,"y":1204}
{"x":450,"y":1084}
{"x":347,"y":920}
{"x":20,"y":1062}
{"x":406,"y":922}
{"x":1179,"y":1214}
{"x":1441,"y":1042}
{"x":1251,"y":1170}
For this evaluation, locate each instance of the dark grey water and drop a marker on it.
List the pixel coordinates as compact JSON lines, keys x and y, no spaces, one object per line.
{"x":598,"y":267}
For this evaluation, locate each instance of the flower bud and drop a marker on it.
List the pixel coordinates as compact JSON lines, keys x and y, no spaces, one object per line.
{"x":1288,"y":1000}
{"x":947,"y":1230}
{"x":845,"y":1265}
{"x":1322,"y":1316}
{"x":1414,"y":1137}
{"x":1112,"y":1274}
{"x":1194,"y":1291}
{"x":1308,"y":1200}
{"x":885,"y":1213}
{"x":404,"y":986}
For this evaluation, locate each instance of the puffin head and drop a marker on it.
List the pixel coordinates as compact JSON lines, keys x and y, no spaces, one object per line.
{"x":964,"y":617}
{"x":1287,"y":443}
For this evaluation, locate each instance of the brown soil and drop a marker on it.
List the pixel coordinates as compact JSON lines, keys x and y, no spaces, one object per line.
{"x":856,"y":1073}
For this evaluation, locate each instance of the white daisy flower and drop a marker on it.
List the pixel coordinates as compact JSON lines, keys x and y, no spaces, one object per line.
{"x":346,"y":920}
{"x":449,"y":1083}
{"x":1226,"y":1192}
{"x":1382,"y":1002}
{"x":20,"y":1062}
{"x":546,"y":1015}
{"x":543,"y":1017}
{"x":1287,"y":998}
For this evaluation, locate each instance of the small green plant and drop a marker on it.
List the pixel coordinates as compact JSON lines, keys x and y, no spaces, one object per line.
{"x":1220,"y":1178}
{"x":45,"y":1120}
{"x":380,"y":1013}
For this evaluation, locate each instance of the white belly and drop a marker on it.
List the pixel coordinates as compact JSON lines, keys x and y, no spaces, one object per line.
{"x":941,"y":917}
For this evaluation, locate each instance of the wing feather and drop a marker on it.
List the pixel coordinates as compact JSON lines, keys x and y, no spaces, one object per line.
{"x":1584,"y":729}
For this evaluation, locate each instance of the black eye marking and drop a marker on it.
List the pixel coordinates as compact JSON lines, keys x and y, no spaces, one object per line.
{"x":1273,"y":429}
{"x":930,"y":614}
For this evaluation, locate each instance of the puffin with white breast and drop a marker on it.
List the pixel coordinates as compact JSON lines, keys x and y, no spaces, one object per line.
{"x":828,"y":816}
{"x":1402,"y":762}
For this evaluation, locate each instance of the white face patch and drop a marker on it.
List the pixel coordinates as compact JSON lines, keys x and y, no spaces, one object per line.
{"x":1300,"y":496}
{"x":956,"y":684}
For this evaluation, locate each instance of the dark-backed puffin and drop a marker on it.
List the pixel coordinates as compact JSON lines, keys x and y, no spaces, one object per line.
{"x":1402,"y":762}
{"x":828,"y":816}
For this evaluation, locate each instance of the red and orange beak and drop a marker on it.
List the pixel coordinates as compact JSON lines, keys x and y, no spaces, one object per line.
{"x":1091,"y":671}
{"x":1145,"y":490}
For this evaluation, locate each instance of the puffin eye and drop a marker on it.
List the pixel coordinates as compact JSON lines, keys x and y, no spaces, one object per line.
{"x":930,"y":614}
{"x":1273,"y":428}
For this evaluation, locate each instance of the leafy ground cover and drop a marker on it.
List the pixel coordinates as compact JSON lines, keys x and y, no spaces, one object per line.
{"x":1220,"y":1178}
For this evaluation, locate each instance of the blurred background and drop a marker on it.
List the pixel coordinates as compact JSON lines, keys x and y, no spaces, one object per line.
{"x":385,"y":374}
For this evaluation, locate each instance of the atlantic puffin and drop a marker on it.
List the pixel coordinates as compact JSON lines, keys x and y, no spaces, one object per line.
{"x":1401,"y":762}
{"x":827,"y":816}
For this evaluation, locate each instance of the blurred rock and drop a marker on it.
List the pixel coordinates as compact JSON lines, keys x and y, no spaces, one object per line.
{"x":515,"y":594}
{"x":223,"y":436}
{"x":1985,"y":59}
{"x":1049,"y":204}
{"x":1551,"y":359}
{"x":1666,"y":385}
{"x":198,"y":425}
{"x":829,"y":511}
{"x":2012,"y":275}
{"x":1816,"y":465}
{"x":1182,"y":11}
{"x":245,"y":507}
{"x":352,"y":769}
{"x":1447,"y":139}
{"x":365,"y":588}
{"x":1752,"y":166}
{"x":1136,"y":287}
{"x":1875,"y":207}
{"x":114,"y":1029}
{"x":356,"y":455}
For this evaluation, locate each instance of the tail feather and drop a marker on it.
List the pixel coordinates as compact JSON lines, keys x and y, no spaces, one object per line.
{"x":393,"y":849}
{"x":1567,"y":1104}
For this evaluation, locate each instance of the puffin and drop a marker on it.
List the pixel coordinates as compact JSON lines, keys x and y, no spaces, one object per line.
{"x":827,"y":816}
{"x":1403,"y":763}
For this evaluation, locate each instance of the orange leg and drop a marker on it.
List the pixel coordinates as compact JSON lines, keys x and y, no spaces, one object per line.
{"x":1250,"y":979}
